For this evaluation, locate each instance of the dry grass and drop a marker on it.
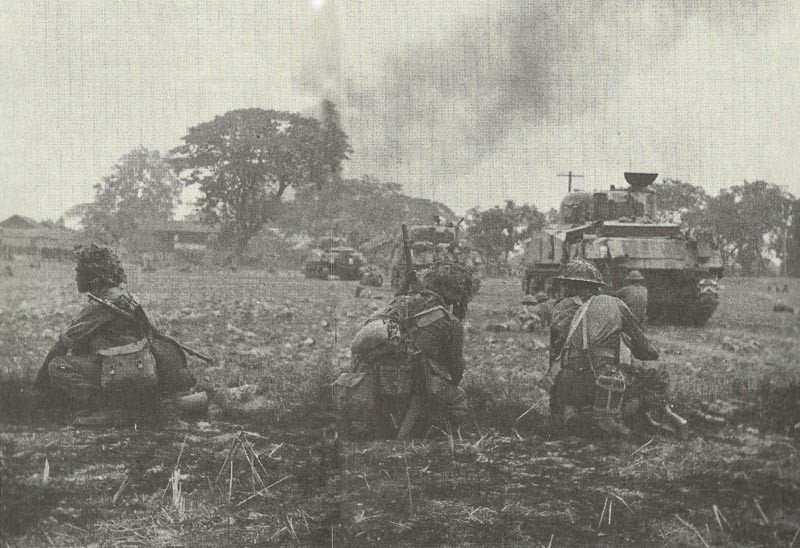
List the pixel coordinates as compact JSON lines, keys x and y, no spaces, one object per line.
{"x":298,"y":484}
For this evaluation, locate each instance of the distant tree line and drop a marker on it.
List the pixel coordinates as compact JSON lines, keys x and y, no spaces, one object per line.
{"x":257,"y":168}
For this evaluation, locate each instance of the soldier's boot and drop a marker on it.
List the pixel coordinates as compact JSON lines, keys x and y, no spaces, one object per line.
{"x":666,"y":420}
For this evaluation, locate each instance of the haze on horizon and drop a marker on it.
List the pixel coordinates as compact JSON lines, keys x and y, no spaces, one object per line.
{"x":467,"y":103}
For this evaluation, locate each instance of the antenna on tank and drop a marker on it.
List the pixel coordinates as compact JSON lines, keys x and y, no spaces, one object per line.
{"x":569,"y":175}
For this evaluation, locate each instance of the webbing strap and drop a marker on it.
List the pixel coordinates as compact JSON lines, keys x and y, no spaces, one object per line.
{"x":576,"y":321}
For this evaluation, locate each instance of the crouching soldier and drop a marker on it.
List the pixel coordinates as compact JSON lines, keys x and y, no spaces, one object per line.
{"x":537,"y":311}
{"x":409,"y":356}
{"x":110,"y":364}
{"x":589,"y":386}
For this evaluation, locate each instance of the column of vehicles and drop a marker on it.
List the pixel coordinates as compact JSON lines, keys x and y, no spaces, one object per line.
{"x":620,"y":230}
{"x":330,"y":257}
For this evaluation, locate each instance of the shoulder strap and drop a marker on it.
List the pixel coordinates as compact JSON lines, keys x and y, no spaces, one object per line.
{"x":576,"y":321}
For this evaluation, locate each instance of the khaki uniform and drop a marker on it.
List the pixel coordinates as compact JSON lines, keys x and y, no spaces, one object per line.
{"x":422,"y":355}
{"x":76,"y":373}
{"x":635,"y":296}
{"x":590,"y":348}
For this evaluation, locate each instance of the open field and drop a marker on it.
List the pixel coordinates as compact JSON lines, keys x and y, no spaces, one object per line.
{"x":281,"y":339}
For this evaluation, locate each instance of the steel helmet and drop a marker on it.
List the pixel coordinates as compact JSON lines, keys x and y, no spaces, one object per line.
{"x":540,"y":297}
{"x":529,"y":299}
{"x":578,"y":270}
{"x":634,"y":276}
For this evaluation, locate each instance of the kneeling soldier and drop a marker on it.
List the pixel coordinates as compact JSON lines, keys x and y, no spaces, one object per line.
{"x":412,"y":353}
{"x":589,"y":381}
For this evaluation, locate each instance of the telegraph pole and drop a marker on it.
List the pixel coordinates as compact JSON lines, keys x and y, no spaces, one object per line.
{"x":569,"y":175}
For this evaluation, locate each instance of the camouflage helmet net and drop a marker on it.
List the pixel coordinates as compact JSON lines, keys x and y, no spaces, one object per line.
{"x":452,"y":280}
{"x":102,"y":262}
{"x":578,"y":270}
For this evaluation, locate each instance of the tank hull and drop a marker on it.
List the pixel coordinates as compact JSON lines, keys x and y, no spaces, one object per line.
{"x":680,"y":275}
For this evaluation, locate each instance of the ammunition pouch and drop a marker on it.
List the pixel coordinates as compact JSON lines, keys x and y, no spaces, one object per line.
{"x":128,"y":368}
{"x":609,"y":393}
{"x":395,"y":380}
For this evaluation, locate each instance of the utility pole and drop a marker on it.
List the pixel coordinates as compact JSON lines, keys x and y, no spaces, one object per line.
{"x":569,"y":175}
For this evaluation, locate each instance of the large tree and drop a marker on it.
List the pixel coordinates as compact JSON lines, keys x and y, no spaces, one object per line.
{"x":360,"y":210}
{"x":245,"y":160}
{"x":494,"y":232}
{"x":141,"y":188}
{"x":676,"y":200}
{"x":750,"y":219}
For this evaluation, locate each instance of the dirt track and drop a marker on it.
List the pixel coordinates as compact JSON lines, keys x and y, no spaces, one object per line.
{"x":496,"y":487}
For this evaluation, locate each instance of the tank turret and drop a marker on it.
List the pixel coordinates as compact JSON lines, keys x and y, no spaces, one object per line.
{"x":618,"y":230}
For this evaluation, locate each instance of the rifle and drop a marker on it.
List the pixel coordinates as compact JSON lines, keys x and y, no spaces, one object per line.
{"x":132,"y":318}
{"x":411,"y":275}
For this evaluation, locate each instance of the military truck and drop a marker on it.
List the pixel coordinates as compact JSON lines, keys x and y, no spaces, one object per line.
{"x":430,"y":243}
{"x":329,"y":257}
{"x":619,"y":231}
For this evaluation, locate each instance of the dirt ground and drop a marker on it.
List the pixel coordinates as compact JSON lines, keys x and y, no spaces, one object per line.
{"x":267,"y":467}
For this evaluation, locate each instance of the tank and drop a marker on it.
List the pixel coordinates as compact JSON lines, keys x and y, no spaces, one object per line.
{"x":619,"y":231}
{"x":430,"y":243}
{"x":329,"y":258}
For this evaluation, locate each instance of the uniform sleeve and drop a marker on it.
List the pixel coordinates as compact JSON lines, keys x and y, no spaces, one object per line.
{"x":636,"y":339}
{"x":457,"y":363}
{"x":85,"y":325}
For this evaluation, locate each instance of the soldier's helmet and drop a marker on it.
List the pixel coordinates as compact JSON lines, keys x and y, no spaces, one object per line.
{"x":540,"y":297}
{"x":100,"y":264}
{"x":634,"y":276}
{"x":452,"y":280}
{"x":578,"y":270}
{"x":529,"y":299}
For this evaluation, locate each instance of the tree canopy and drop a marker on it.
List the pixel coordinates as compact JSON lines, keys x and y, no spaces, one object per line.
{"x":360,"y":210}
{"x":245,"y":160}
{"x":749,"y":219}
{"x":675,"y":199}
{"x":494,"y":232}
{"x":141,"y":188}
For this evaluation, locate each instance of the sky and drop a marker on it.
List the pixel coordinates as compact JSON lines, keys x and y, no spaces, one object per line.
{"x":469,"y":103}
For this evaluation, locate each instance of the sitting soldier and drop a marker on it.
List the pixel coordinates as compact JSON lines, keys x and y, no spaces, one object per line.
{"x":589,"y":386}
{"x":110,"y":363}
{"x":412,"y":353}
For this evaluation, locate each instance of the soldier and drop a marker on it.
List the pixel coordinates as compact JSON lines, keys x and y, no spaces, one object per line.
{"x":537,"y":311}
{"x":634,"y":294}
{"x":586,"y":378}
{"x":413,"y":352}
{"x":104,"y":364}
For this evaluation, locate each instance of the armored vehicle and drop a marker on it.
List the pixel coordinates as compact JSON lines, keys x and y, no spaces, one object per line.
{"x":430,"y":243}
{"x":619,"y":231}
{"x":330,"y":258}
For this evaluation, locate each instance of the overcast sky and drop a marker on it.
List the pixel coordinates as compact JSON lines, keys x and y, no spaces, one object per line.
{"x":469,"y":103}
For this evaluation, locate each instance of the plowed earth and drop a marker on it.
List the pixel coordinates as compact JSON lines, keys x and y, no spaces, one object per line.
{"x":279,"y":339}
